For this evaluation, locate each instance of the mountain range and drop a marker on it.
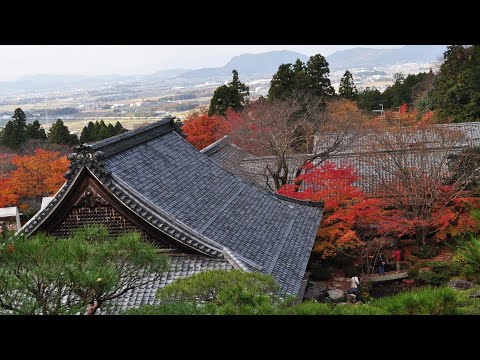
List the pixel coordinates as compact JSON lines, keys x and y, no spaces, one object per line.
{"x":363,"y":57}
{"x":249,"y":67}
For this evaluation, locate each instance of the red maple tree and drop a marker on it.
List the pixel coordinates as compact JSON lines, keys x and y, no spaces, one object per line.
{"x":439,"y":212}
{"x":345,"y":206}
{"x":203,"y":130}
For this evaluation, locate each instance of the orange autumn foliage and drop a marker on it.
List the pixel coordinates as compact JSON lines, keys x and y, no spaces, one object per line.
{"x":203,"y":130}
{"x":410,"y":117}
{"x":37,"y":175}
{"x":7,"y":198}
{"x":345,"y":205}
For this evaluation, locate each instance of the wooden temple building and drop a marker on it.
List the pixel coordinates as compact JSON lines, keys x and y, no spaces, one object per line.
{"x":203,"y":216}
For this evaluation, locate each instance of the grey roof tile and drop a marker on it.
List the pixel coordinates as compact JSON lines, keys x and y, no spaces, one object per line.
{"x":146,"y":295}
{"x":191,"y":188}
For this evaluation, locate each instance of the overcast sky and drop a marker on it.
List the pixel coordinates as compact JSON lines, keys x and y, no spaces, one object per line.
{"x":20,"y":60}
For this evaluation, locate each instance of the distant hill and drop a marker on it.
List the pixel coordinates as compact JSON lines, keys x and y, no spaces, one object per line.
{"x":247,"y":65}
{"x":366,"y":57}
{"x":44,"y":81}
{"x":166,"y":74}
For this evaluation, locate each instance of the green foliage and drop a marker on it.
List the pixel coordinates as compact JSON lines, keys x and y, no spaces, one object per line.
{"x":173,"y":308}
{"x":426,"y":251}
{"x":35,"y":131}
{"x":233,"y":95}
{"x":14,"y":133}
{"x":347,"y":88}
{"x":425,"y":301}
{"x":308,"y":308}
{"x":48,"y":275}
{"x":455,"y":94}
{"x":432,"y":278}
{"x":301,"y":80}
{"x":438,"y":274}
{"x":86,"y":135}
{"x":226,"y":292}
{"x":405,"y":90}
{"x":465,"y":305}
{"x":369,"y":99}
{"x":59,"y":134}
{"x":470,"y":251}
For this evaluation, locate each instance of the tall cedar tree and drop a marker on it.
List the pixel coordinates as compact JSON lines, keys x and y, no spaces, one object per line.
{"x":455,"y":93}
{"x":301,"y":80}
{"x":86,"y":135}
{"x":203,"y":130}
{"x":59,"y":134}
{"x":35,"y":131}
{"x":233,"y":95}
{"x":347,"y":88}
{"x":14,"y":133}
{"x":345,"y":205}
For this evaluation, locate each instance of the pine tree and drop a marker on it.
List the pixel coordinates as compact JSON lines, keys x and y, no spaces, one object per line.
{"x":347,"y":88}
{"x":233,"y":95}
{"x":14,"y":133}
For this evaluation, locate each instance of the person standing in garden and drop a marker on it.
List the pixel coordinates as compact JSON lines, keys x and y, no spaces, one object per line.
{"x":397,"y":255}
{"x":381,"y":266}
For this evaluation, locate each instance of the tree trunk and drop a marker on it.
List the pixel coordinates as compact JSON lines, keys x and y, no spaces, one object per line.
{"x":92,"y":308}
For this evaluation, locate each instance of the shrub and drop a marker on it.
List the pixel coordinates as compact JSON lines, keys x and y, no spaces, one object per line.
{"x":426,"y":301}
{"x":470,"y":250}
{"x":425,"y":252}
{"x":432,"y":278}
{"x":440,"y":272}
{"x":308,"y":308}
{"x":466,"y":305}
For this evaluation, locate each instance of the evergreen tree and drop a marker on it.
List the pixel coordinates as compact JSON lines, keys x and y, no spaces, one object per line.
{"x":35,"y":131}
{"x":282,"y":82}
{"x":95,"y":130}
{"x":317,"y":69}
{"x":227,"y":96}
{"x":86,"y":135}
{"x":369,"y":99}
{"x":455,"y":92}
{"x":14,"y":133}
{"x":110,"y":131}
{"x":301,"y":80}
{"x":102,"y":131}
{"x":59,"y":134}
{"x":119,"y":128}
{"x":347,"y":88}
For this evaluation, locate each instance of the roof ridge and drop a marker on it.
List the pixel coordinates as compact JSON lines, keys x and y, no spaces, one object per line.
{"x":217,"y":145}
{"x":298,"y":201}
{"x":131,"y":138}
